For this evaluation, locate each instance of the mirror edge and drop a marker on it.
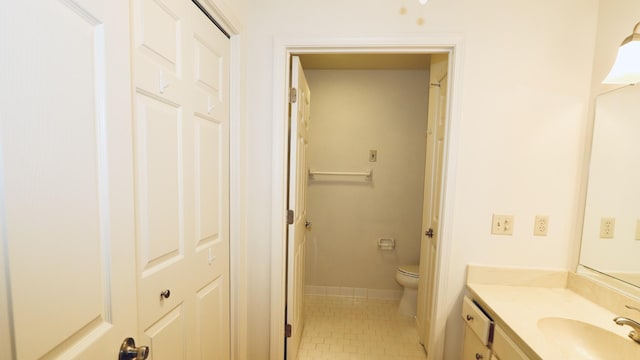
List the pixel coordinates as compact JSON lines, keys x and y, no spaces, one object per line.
{"x":610,"y":282}
{"x":580,"y":269}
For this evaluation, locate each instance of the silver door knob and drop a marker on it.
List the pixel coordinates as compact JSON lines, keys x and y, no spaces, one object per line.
{"x":429,"y":233}
{"x":129,"y":351}
{"x":307,"y":224}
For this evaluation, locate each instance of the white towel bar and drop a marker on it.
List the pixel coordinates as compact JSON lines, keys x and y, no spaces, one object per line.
{"x":367,"y":174}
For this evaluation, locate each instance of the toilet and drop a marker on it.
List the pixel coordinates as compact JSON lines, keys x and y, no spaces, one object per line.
{"x":407,"y":276}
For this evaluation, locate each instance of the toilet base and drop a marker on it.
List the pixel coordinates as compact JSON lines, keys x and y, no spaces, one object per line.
{"x":409,"y":302}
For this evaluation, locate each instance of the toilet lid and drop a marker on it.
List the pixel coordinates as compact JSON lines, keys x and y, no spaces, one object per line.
{"x":410,"y":270}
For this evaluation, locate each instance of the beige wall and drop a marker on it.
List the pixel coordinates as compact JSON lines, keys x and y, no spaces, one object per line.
{"x":523,"y":105}
{"x":352,"y":112}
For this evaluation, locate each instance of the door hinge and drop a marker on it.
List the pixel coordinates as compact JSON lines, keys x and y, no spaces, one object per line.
{"x":287,"y":330}
{"x":293,"y":95}
{"x":289,"y":217}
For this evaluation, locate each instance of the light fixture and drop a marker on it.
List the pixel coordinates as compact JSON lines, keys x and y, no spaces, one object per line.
{"x":626,"y":69}
{"x":423,"y":2}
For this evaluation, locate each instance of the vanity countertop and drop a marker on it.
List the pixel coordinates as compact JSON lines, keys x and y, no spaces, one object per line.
{"x":517,"y":302}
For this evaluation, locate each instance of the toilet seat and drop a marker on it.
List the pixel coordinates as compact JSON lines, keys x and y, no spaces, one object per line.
{"x":410,"y":270}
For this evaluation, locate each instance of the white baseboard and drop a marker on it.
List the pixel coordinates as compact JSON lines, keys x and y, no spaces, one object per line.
{"x":362,"y":293}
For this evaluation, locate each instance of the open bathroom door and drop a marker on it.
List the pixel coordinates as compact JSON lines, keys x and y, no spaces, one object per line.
{"x":432,"y":194}
{"x":298,"y":178}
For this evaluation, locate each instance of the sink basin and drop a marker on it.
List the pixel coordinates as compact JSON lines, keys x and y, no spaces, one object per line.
{"x":582,"y":341}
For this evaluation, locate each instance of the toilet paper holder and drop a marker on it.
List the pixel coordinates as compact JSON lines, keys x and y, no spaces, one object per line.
{"x":386,"y":243}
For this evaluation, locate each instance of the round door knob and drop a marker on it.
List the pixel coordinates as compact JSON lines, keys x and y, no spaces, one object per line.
{"x":165,"y":294}
{"x":479,"y":357}
{"x":469,"y":318}
{"x":129,"y":351}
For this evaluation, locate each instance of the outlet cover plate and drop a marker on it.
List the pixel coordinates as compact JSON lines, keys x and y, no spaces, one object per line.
{"x":607,"y":228}
{"x":541,"y":225}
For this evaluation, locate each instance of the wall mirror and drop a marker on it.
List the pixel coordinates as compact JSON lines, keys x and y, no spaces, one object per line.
{"x":611,"y":227}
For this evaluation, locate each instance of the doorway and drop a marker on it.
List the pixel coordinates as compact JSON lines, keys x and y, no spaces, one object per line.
{"x":368,"y":115}
{"x":283,"y":52}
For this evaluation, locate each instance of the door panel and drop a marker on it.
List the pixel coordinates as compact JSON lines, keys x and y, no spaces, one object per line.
{"x":158,"y":31}
{"x":158,"y":168}
{"x":299,"y":173}
{"x":211,"y":313}
{"x":158,"y":46}
{"x":65,"y":179}
{"x":166,"y":335}
{"x":207,"y":182}
{"x":209,"y":72}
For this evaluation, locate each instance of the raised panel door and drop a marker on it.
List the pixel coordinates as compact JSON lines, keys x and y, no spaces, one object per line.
{"x":66,"y":229}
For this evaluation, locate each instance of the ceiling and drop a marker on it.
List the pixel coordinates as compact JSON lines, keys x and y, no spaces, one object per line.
{"x":365,"y":61}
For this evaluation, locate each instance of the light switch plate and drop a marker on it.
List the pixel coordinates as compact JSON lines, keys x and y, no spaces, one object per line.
{"x":502,"y":224}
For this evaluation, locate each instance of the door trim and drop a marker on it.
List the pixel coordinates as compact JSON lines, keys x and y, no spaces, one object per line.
{"x":283,"y":49}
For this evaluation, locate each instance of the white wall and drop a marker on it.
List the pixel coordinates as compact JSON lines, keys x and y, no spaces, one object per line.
{"x":352,"y":112}
{"x":526,"y":77}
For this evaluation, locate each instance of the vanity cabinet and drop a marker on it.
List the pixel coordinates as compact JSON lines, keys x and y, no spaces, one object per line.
{"x":504,"y":348}
{"x":478,"y":332}
{"x":485,"y":340}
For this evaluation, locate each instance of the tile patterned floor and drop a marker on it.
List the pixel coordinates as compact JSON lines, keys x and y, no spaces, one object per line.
{"x":354,"y":328}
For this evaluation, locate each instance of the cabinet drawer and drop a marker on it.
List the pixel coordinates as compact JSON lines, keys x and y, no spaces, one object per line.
{"x":505,"y":348}
{"x":474,"y":349}
{"x":480,"y":323}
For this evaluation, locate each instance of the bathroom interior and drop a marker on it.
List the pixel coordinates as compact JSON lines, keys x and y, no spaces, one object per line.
{"x":365,"y":120}
{"x":366,"y":154}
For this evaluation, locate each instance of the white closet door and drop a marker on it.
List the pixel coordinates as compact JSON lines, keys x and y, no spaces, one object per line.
{"x":181,"y":146}
{"x":207,"y":146}
{"x":67,"y":253}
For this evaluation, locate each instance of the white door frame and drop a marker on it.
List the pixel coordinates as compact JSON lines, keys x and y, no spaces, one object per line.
{"x":226,"y":18}
{"x":283,"y":49}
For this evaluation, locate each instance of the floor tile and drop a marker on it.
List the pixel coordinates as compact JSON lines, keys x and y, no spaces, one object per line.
{"x":357,"y":329}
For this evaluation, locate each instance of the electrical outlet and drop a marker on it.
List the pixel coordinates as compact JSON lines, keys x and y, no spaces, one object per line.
{"x":502,"y":224}
{"x":607,"y":228}
{"x":541,"y":225}
{"x":373,"y":155}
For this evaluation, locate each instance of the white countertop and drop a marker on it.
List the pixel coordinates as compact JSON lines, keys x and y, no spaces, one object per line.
{"x":520,"y":307}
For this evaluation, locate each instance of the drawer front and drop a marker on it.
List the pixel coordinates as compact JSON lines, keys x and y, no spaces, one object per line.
{"x":474,"y":349}
{"x":477,"y":320}
{"x":505,"y":348}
